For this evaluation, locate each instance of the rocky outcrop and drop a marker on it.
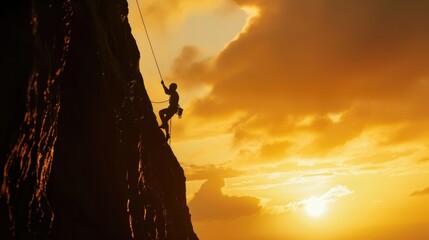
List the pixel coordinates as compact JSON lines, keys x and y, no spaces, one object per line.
{"x":80,"y":148}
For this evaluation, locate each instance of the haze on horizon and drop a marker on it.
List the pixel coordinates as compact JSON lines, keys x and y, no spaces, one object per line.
{"x":303,"y":119}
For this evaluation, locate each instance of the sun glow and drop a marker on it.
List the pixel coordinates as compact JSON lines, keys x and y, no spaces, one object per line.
{"x":252,"y":13}
{"x":315,"y":207}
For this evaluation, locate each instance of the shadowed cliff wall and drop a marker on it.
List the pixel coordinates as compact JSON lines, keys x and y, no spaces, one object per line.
{"x":81,"y":151}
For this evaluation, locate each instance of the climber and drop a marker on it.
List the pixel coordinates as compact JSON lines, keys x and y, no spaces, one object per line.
{"x":167,"y":113}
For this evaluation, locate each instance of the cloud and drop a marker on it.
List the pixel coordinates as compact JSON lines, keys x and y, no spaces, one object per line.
{"x":300,"y":63}
{"x":275,"y":150}
{"x":188,"y":65}
{"x":303,"y":52}
{"x":195,"y":172}
{"x":267,"y":152}
{"x":169,"y":11}
{"x":423,"y":160}
{"x":420,"y":193}
{"x":210,"y":203}
{"x":331,"y":196}
{"x":320,"y":174}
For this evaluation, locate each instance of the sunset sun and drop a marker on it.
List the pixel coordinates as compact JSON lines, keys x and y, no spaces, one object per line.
{"x":315,"y":207}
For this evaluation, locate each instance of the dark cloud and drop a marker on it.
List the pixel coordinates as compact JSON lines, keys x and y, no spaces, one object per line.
{"x":420,"y":193}
{"x":322,"y":56}
{"x":210,"y":203}
{"x":367,"y":59}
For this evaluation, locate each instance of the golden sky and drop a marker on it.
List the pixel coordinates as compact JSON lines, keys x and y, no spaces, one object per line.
{"x":303,"y":119}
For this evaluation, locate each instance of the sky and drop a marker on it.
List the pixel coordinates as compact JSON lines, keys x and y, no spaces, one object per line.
{"x":303,"y":120}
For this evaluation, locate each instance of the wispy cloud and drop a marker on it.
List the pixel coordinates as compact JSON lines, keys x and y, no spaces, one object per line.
{"x":331,"y":196}
{"x":195,"y":172}
{"x":168,"y":11}
{"x":420,"y":193}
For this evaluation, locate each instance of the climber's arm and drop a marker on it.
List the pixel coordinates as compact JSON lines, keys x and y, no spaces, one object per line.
{"x":166,"y":90}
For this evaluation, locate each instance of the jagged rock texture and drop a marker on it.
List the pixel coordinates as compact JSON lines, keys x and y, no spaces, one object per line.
{"x":80,"y":148}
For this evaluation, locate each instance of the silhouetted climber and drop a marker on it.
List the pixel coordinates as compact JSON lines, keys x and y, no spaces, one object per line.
{"x":167,"y":113}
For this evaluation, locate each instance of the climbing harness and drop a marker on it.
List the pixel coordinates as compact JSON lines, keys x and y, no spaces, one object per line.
{"x":180,"y":112}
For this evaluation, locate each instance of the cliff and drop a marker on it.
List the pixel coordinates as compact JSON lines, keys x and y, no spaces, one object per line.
{"x":80,"y":148}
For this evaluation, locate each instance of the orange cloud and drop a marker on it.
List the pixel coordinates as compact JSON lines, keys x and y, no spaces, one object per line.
{"x":420,"y":193}
{"x":187,"y":65}
{"x":275,"y":150}
{"x":424,"y":160}
{"x":301,"y":58}
{"x":366,"y":59}
{"x":169,"y":11}
{"x":210,"y":203}
{"x":194,"y":172}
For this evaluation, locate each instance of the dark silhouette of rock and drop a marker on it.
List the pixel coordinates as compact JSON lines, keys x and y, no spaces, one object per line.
{"x":81,"y":153}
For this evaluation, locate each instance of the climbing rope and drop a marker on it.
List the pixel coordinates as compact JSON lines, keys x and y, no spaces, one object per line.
{"x":148,"y":39}
{"x":160,"y":102}
{"x":169,"y":130}
{"x":157,"y":66}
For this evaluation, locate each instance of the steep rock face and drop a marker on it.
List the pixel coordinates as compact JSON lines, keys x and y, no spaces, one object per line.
{"x":80,"y":148}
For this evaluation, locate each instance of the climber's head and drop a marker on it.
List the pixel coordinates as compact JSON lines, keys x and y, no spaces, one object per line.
{"x":173,"y":87}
